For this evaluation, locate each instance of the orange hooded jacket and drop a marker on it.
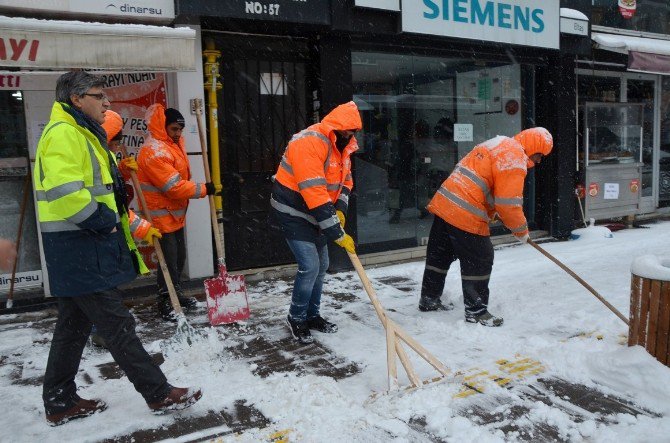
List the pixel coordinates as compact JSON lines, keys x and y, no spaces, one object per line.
{"x":165,"y":175}
{"x":314,"y":176}
{"x":489,"y":180}
{"x":112,"y":125}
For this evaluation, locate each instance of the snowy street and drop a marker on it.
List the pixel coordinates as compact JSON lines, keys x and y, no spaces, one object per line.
{"x":558,"y":369}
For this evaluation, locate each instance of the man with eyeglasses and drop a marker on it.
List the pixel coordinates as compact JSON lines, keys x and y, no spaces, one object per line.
{"x":89,"y":251}
{"x":165,"y":177}
{"x":486,"y":184}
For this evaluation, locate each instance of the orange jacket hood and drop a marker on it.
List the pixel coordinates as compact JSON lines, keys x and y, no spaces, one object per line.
{"x":344,"y":117}
{"x":155,"y":118}
{"x":535,"y":141}
{"x":112,"y":125}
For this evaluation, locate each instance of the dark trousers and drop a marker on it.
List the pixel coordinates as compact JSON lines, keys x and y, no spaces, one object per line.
{"x":116,"y":325}
{"x":173,"y":245}
{"x":446,"y":244}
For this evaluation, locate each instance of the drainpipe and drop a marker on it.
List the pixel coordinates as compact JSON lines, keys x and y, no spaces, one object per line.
{"x":212,"y":85}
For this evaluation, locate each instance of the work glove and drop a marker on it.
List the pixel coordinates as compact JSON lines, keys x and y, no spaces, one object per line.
{"x":211,"y":189}
{"x":152,"y":234}
{"x":347,"y":243}
{"x":129,"y":163}
{"x":342,"y":218}
{"x":523,"y":239}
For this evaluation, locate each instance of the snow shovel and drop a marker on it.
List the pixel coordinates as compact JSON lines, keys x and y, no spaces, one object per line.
{"x":226,"y":294}
{"x":22,"y":212}
{"x":394,"y":336}
{"x":185,"y":332}
{"x":580,"y":280}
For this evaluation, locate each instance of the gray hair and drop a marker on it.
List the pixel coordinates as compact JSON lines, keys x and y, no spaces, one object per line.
{"x":77,"y":83}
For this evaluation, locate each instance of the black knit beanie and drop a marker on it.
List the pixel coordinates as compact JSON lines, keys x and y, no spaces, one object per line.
{"x":172,"y":116}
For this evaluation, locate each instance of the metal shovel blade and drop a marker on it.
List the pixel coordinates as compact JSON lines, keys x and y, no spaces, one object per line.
{"x":226,"y":298}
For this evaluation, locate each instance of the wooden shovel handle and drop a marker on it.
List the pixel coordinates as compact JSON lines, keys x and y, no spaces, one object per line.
{"x":220,"y":252}
{"x":579,"y":279}
{"x":157,"y":246}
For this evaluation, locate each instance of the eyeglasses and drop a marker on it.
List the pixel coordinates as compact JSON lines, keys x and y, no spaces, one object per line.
{"x":99,"y":96}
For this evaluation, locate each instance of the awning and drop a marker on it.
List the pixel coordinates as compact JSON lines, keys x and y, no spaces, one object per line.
{"x":60,"y":44}
{"x":644,"y":54}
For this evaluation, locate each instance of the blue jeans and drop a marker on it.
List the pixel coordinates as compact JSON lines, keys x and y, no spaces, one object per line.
{"x":312,"y":266}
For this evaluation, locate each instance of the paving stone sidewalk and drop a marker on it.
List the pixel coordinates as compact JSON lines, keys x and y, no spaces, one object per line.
{"x":265,"y":339}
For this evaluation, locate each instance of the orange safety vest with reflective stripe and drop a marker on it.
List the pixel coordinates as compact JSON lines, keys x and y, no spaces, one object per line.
{"x":164,"y":175}
{"x":488,"y":180}
{"x":314,"y":177}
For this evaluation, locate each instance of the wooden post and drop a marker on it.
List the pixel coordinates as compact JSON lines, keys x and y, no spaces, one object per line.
{"x":650,"y":316}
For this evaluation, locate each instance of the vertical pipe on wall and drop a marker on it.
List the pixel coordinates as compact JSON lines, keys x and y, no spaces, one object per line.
{"x":211,"y":86}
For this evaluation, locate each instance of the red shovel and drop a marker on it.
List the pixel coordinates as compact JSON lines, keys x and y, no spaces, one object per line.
{"x":226,"y":294}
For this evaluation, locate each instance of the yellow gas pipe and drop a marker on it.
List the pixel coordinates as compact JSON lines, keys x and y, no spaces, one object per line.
{"x":212,"y":85}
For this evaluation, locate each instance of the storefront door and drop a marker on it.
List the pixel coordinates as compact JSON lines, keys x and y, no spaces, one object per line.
{"x":17,"y":208}
{"x":265,"y":100}
{"x":641,"y":89}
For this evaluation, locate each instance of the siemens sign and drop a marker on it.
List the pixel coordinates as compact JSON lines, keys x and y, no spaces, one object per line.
{"x":521,"y":22}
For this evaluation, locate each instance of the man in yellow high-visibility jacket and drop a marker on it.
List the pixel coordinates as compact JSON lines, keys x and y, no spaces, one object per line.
{"x":89,"y":250}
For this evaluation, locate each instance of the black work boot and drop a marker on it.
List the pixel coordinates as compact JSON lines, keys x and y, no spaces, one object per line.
{"x":300,"y":331}
{"x":320,"y":324}
{"x":427,"y":304}
{"x":485,"y":318}
{"x":165,"y":309}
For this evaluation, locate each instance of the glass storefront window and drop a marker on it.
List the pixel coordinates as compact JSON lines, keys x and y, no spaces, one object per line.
{"x":14,"y":184}
{"x":409,"y":105}
{"x":647,"y":15}
{"x":664,"y":158}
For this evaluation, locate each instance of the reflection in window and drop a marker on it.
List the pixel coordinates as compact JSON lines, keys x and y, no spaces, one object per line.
{"x":409,"y":106}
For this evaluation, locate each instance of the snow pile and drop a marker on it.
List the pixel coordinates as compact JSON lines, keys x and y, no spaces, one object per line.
{"x":592,"y":231}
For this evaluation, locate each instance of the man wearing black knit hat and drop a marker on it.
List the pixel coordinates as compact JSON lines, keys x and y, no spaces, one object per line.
{"x":165,"y":176}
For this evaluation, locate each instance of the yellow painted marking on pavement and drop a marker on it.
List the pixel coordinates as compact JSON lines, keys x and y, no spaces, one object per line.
{"x":475,"y":382}
{"x":279,"y":436}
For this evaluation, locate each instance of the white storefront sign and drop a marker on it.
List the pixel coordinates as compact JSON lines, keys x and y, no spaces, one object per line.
{"x":572,"y":26}
{"x":463,"y":132}
{"x":32,"y":43}
{"x":522,"y":22}
{"x":21,"y":280}
{"x":144,"y":9}
{"x":388,"y":5}
{"x":611,"y":191}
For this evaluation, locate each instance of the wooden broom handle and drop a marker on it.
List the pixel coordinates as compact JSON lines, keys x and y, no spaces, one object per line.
{"x":579,"y":279}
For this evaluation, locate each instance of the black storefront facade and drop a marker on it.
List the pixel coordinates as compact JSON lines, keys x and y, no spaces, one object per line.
{"x":425,"y":98}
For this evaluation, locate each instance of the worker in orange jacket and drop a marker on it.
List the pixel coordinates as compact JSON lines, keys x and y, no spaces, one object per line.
{"x":486,"y":183}
{"x":310,"y":197}
{"x":113,"y":126}
{"x":165,"y":178}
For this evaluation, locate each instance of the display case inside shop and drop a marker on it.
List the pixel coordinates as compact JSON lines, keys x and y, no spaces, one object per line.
{"x":610,"y":158}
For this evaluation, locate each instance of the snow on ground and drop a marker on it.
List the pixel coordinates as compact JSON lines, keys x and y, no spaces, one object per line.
{"x":549,"y":317}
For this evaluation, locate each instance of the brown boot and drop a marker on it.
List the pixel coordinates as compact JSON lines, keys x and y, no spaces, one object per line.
{"x":83,"y":408}
{"x":177,"y":398}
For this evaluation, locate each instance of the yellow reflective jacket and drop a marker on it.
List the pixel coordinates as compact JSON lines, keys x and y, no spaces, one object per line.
{"x":87,"y":244}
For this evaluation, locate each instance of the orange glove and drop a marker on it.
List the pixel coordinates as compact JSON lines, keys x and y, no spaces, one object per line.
{"x":152,"y":235}
{"x":347,"y":243}
{"x":342,"y":218}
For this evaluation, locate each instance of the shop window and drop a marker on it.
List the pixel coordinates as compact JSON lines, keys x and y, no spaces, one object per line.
{"x":638,"y":15}
{"x":664,"y":158}
{"x":410,"y":107}
{"x":16,"y":192}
